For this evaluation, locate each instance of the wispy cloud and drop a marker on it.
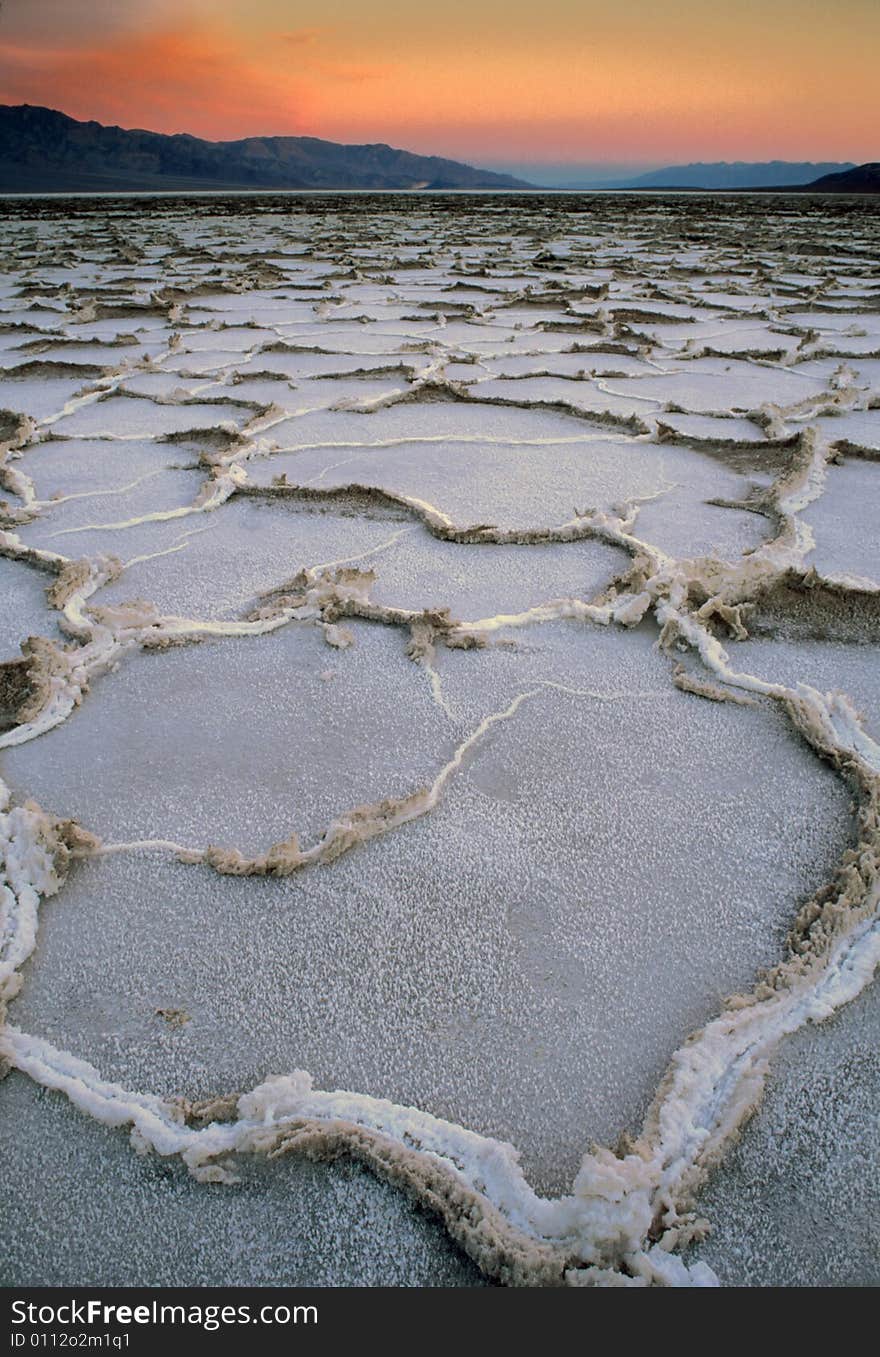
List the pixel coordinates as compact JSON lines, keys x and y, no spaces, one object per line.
{"x":351,"y":73}
{"x":301,"y":37}
{"x":186,"y":79}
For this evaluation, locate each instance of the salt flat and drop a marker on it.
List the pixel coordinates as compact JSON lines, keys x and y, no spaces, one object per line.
{"x":443,"y":733}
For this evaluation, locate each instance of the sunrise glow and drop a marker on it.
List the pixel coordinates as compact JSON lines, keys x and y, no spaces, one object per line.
{"x":568,"y":80}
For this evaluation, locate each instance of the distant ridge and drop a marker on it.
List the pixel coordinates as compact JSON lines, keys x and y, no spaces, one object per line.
{"x":44,"y":151}
{"x":738,"y":175}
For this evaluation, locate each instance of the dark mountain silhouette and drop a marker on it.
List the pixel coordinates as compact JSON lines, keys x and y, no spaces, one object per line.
{"x":860,"y":179}
{"x":43,"y":151}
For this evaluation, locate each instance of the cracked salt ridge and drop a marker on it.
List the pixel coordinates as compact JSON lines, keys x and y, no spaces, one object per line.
{"x":72,"y":350}
{"x":485,"y":580}
{"x":303,"y":365}
{"x":587,"y":396}
{"x":538,"y":483}
{"x":797,"y":1201}
{"x":210,"y":566}
{"x":828,"y":665}
{"x":475,"y":482}
{"x":866,"y":370}
{"x":122,"y":418}
{"x":264,"y":543}
{"x":289,"y":1222}
{"x":418,"y":414}
{"x":165,"y":385}
{"x":243,"y":340}
{"x":306,"y":396}
{"x":682,"y":523}
{"x":854,"y":430}
{"x":721,"y":429}
{"x":852,"y":347}
{"x":737,"y":338}
{"x":516,"y":962}
{"x":711,"y":385}
{"x":253,"y":763}
{"x":203,"y":367}
{"x":571,"y":366}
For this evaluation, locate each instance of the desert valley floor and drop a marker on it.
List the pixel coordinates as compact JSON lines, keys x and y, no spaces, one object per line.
{"x":440,"y":750}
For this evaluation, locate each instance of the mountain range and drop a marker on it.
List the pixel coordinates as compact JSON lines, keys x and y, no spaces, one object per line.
{"x":738,"y":175}
{"x":44,"y":151}
{"x":765,"y":178}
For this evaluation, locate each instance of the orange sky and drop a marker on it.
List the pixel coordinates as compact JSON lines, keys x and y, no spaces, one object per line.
{"x":480,"y":80}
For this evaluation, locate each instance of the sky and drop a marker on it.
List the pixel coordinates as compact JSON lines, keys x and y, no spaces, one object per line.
{"x":525,"y":83}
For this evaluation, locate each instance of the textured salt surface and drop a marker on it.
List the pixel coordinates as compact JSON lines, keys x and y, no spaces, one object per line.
{"x":844,"y":522}
{"x":509,"y":944}
{"x":98,"y":471}
{"x":310,"y":739}
{"x":24,"y":611}
{"x":520,"y":558}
